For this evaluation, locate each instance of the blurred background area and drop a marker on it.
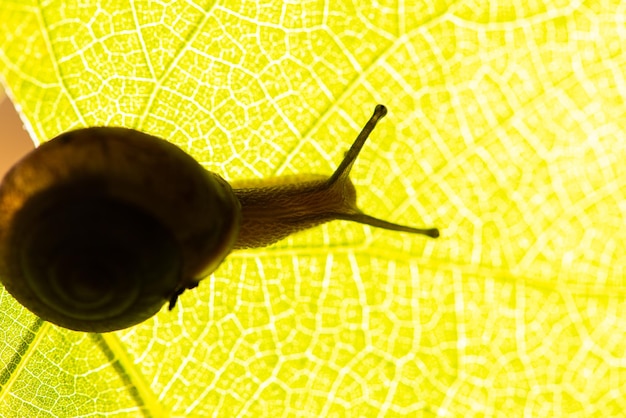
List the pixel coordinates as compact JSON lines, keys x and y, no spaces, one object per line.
{"x":14,"y":140}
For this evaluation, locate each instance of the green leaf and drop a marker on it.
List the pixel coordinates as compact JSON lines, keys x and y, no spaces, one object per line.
{"x":505,"y":130}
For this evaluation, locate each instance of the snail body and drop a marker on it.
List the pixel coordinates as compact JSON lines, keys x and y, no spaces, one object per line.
{"x":101,"y":226}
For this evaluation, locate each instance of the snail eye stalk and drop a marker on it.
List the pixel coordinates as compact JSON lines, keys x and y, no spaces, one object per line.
{"x":272,"y":213}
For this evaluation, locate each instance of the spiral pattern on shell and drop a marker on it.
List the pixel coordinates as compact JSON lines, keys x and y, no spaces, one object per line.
{"x":101,"y":226}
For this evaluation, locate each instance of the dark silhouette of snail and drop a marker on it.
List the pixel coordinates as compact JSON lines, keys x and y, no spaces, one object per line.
{"x":100,"y":227}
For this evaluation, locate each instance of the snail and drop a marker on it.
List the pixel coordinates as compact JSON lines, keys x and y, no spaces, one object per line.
{"x":102,"y":226}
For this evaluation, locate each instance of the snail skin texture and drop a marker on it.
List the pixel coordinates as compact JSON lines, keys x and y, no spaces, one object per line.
{"x":100,"y":227}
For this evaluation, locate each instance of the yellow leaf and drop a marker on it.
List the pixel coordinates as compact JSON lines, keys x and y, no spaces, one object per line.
{"x":505,"y":130}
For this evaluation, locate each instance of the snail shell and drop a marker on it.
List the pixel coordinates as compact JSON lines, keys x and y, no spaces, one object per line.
{"x":101,"y":226}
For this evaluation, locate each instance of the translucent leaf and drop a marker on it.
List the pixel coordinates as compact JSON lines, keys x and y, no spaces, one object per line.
{"x":505,"y":130}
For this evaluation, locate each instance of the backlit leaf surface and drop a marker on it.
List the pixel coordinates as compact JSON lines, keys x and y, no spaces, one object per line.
{"x":506,"y":130}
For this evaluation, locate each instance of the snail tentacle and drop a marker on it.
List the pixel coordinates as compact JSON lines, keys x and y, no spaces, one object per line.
{"x":274,"y":212}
